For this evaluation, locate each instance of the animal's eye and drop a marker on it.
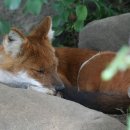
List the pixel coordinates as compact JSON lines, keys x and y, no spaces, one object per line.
{"x":10,"y":39}
{"x":41,"y":71}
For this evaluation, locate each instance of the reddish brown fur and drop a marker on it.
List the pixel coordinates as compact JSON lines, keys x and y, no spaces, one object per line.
{"x":93,"y":82}
{"x":108,"y":96}
{"x":70,"y":60}
{"x":38,"y":54}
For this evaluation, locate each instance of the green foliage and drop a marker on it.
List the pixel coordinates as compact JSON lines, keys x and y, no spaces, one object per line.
{"x":12,"y":4}
{"x":31,"y":6}
{"x":34,"y":6}
{"x":128,"y":122}
{"x":81,"y":14}
{"x":120,"y":63}
{"x":71,"y":15}
{"x":4,"y":26}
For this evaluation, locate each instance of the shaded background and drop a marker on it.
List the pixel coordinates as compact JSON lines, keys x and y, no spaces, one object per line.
{"x":64,"y":15}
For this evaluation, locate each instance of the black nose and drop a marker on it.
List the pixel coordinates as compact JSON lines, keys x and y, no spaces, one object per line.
{"x":59,"y":87}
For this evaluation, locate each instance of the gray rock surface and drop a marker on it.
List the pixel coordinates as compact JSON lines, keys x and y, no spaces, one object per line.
{"x":106,"y":34}
{"x":22,"y":109}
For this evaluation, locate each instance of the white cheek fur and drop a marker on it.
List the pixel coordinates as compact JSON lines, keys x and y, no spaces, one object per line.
{"x":22,"y":80}
{"x":51,"y":33}
{"x":12,"y":47}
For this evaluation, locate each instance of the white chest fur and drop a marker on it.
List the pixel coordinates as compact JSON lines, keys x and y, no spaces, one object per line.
{"x":22,"y":80}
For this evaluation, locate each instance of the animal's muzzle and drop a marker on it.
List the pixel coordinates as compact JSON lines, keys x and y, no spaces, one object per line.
{"x":57,"y":83}
{"x":59,"y":88}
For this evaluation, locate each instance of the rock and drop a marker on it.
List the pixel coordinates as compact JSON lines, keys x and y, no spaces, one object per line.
{"x":106,"y":34}
{"x":22,"y":109}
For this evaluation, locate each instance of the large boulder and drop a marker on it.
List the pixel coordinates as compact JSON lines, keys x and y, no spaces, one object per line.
{"x":106,"y":34}
{"x":22,"y":109}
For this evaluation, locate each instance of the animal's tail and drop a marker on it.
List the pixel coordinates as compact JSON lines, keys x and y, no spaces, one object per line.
{"x":104,"y":102}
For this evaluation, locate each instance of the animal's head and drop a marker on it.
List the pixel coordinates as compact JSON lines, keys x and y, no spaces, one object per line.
{"x":34,"y":57}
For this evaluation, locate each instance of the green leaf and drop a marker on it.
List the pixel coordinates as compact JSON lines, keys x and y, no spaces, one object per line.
{"x":128,"y":120}
{"x":68,"y":2}
{"x":12,"y":4}
{"x":33,"y":6}
{"x":44,"y":1}
{"x":4,"y":27}
{"x":117,"y":64}
{"x":81,"y":12}
{"x":78,"y":25}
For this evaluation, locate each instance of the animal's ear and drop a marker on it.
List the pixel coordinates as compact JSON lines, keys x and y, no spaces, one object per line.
{"x":44,"y":29}
{"x":13,"y":41}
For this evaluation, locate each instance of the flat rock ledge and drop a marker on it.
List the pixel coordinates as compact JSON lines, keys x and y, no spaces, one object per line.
{"x":22,"y":109}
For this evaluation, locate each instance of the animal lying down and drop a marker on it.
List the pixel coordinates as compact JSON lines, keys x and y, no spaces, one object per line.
{"x":31,"y":62}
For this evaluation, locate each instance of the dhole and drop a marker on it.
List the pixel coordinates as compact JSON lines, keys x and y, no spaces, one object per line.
{"x":31,"y":62}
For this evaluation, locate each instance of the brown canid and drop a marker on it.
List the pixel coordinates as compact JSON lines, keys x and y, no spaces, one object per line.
{"x":31,"y":62}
